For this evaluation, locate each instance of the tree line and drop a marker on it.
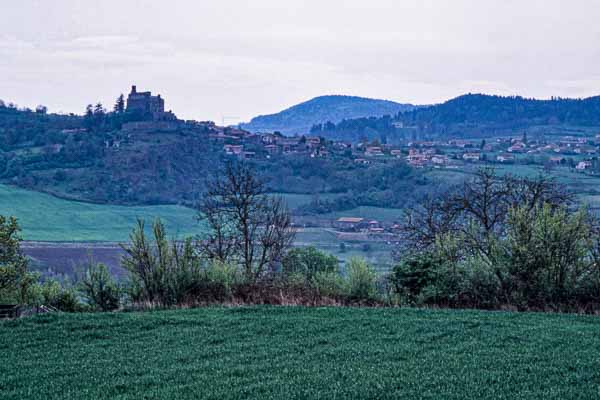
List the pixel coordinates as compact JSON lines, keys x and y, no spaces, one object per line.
{"x":493,"y":242}
{"x":245,"y":255}
{"x":501,"y":241}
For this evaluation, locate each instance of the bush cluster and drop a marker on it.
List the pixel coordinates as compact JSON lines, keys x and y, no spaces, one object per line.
{"x":163,"y":273}
{"x":501,"y":242}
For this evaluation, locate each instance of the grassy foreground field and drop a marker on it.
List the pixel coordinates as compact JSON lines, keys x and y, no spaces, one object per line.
{"x":301,"y":353}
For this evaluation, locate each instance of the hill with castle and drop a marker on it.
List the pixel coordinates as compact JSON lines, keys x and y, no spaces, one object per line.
{"x":139,"y":153}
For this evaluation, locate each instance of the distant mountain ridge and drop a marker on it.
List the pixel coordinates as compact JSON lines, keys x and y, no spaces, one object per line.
{"x":472,"y":115}
{"x":299,"y":118}
{"x":489,"y":109}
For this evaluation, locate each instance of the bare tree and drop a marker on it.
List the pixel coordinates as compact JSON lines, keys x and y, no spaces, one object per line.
{"x":245,"y":225}
{"x":476,"y":211}
{"x":537,"y":191}
{"x":426,"y":221}
{"x":219,"y":241}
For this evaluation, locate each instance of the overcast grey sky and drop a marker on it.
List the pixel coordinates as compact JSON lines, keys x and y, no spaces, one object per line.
{"x":242,"y":58}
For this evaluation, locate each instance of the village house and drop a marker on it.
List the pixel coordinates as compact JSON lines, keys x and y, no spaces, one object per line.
{"x":505,"y":158}
{"x":558,"y":160}
{"x":376,"y":231}
{"x":233,"y":149}
{"x":374,"y":224}
{"x":362,"y":161}
{"x":372,"y":151}
{"x":350,"y":224}
{"x":417,"y":160}
{"x":463,"y":144}
{"x":319,"y":152}
{"x":288,"y":144}
{"x":583,"y":165}
{"x":518,"y":147}
{"x":552,"y":147}
{"x":253,"y":139}
{"x":585,"y":150}
{"x":271,"y":149}
{"x":439,"y":159}
{"x":269,"y":138}
{"x":313,"y":142}
{"x":471,"y":156}
{"x":570,"y":141}
{"x":342,"y":145}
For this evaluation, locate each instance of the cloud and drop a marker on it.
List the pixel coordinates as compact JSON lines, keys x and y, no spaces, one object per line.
{"x":106,"y":41}
{"x":232,"y":57}
{"x":11,"y":44}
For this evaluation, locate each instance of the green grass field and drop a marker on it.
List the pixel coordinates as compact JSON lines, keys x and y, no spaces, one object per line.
{"x":47,"y":218}
{"x":44,"y":217}
{"x":378,"y":253}
{"x":301,"y":353}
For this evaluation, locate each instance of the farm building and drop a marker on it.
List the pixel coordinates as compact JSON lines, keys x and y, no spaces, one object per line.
{"x":350,"y":224}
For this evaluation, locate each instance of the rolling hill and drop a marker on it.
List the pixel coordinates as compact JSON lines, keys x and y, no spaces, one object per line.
{"x":109,"y":158}
{"x":485,"y":109}
{"x":475,"y":115}
{"x":300,"y":118}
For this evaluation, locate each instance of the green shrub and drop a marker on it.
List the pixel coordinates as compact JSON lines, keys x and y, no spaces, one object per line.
{"x":361,"y":280}
{"x":308,"y":261}
{"x":547,"y":249}
{"x":52,"y":293}
{"x":296,"y":280}
{"x":99,"y":288}
{"x":429,"y":279}
{"x":223,"y":275}
{"x":161,"y":272}
{"x":329,"y":284}
{"x":16,"y":281}
{"x":413,"y":275}
{"x":481,"y":286}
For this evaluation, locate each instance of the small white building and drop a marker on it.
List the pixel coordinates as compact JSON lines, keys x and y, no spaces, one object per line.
{"x":583,"y":165}
{"x":471,"y":156}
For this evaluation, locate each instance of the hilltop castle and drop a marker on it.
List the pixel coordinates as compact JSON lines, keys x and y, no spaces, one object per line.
{"x":145,"y":104}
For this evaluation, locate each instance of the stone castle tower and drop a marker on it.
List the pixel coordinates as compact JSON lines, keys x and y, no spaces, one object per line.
{"x":144,"y":102}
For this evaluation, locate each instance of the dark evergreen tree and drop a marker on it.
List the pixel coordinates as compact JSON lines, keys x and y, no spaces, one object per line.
{"x":99,"y":114}
{"x":120,"y":104}
{"x":88,"y":117}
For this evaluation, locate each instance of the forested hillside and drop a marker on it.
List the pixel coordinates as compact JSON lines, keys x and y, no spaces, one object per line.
{"x":471,"y":115}
{"x":301,"y":117}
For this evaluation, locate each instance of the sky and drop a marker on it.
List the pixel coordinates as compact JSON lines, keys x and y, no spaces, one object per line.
{"x":230,"y":60}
